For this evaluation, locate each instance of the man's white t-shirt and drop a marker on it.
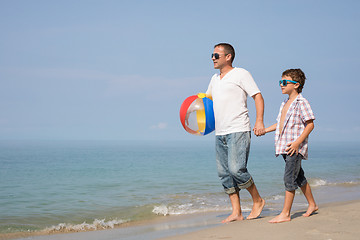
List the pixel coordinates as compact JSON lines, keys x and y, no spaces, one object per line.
{"x":229,"y":96}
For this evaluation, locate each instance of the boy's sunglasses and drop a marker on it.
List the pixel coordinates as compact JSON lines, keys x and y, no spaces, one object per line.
{"x":216,"y":55}
{"x":285,"y":82}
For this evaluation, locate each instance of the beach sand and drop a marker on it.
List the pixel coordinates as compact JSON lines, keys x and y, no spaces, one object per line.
{"x":339,"y":220}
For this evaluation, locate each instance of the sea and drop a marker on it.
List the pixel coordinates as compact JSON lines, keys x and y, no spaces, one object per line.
{"x":72,"y":186}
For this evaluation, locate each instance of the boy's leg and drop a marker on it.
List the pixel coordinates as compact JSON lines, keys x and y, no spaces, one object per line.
{"x":284,"y":216}
{"x":305,"y":188}
{"x":258,"y":202}
{"x":292,"y":170}
{"x":236,"y":214}
{"x":310,"y":198}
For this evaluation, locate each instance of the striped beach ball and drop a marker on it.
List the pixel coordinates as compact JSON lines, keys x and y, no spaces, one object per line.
{"x":197,"y":115}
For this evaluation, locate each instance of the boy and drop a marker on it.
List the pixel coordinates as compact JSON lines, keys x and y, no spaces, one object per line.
{"x":294,"y":124}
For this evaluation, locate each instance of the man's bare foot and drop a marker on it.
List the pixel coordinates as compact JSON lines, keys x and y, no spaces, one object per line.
{"x":256,"y":210}
{"x":232,"y":218}
{"x":280,"y":218}
{"x":311,"y":210}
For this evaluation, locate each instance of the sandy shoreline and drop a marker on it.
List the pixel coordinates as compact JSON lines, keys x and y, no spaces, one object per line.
{"x":339,"y":220}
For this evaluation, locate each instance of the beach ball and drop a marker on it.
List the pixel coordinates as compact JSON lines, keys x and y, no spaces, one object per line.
{"x":197,"y":114}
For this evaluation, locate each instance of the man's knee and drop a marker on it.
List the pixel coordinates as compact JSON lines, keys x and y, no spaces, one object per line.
{"x":237,"y":172}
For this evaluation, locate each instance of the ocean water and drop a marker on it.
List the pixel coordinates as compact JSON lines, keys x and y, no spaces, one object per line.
{"x":59,"y":186}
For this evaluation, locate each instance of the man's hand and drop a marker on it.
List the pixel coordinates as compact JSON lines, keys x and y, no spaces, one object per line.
{"x":259,"y":129}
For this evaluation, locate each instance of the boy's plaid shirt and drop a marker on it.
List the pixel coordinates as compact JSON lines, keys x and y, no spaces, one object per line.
{"x":294,"y":124}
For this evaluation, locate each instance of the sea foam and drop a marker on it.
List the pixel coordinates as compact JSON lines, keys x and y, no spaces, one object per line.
{"x":189,"y":208}
{"x":96,"y":225}
{"x":318,"y":182}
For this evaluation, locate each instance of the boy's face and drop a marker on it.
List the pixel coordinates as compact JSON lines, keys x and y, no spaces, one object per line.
{"x":290,"y":86}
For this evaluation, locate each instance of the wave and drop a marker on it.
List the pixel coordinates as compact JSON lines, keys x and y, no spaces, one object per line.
{"x":349,"y":183}
{"x":276,"y":197}
{"x":96,"y":225}
{"x":189,"y":208}
{"x":183,"y":209}
{"x":317,"y":182}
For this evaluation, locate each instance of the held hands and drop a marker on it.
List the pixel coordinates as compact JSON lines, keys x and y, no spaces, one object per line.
{"x":292,"y":148}
{"x":259,"y":129}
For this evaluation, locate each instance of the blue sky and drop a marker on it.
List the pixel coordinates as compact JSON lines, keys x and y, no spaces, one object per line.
{"x":119,"y":70}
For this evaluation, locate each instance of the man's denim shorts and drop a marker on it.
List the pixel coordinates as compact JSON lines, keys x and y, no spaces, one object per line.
{"x":232,"y":153}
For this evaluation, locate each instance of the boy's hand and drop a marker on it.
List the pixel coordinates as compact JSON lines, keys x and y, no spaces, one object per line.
{"x":259,"y":129}
{"x":292,"y":148}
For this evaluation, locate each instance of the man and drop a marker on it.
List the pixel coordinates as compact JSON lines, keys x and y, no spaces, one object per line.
{"x":229,"y":91}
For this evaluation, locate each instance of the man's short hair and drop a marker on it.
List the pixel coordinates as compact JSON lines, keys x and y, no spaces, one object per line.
{"x":297,"y":75}
{"x":228,"y":49}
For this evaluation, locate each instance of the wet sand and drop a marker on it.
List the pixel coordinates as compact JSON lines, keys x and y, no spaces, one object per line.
{"x":339,"y":220}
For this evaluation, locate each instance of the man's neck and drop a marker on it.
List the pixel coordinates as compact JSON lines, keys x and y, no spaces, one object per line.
{"x":225,"y":70}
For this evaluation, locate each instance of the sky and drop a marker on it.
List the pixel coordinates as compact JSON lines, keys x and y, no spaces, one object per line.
{"x":119,"y":70}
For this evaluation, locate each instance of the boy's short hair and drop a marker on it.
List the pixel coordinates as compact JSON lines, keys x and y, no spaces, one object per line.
{"x":228,"y":49}
{"x":296,"y":75}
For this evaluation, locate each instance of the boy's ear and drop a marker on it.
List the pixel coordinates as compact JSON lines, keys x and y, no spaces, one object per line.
{"x":297,"y":85}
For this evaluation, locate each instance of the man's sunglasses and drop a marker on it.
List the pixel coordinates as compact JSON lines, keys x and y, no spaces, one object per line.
{"x":285,"y":82}
{"x":216,"y":55}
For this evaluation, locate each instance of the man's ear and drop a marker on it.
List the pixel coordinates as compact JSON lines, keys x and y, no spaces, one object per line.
{"x":228,"y":57}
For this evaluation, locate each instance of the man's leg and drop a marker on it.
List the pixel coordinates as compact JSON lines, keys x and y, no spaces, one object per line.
{"x":226,"y":179}
{"x":239,"y":149}
{"x":258,"y":202}
{"x":236,"y":214}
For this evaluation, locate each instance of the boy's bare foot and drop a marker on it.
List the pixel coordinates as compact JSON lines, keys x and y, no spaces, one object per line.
{"x":256,"y":210}
{"x":311,"y":210}
{"x":280,"y":218}
{"x":232,"y":218}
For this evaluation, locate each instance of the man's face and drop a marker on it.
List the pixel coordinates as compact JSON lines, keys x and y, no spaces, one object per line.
{"x":221,"y":61}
